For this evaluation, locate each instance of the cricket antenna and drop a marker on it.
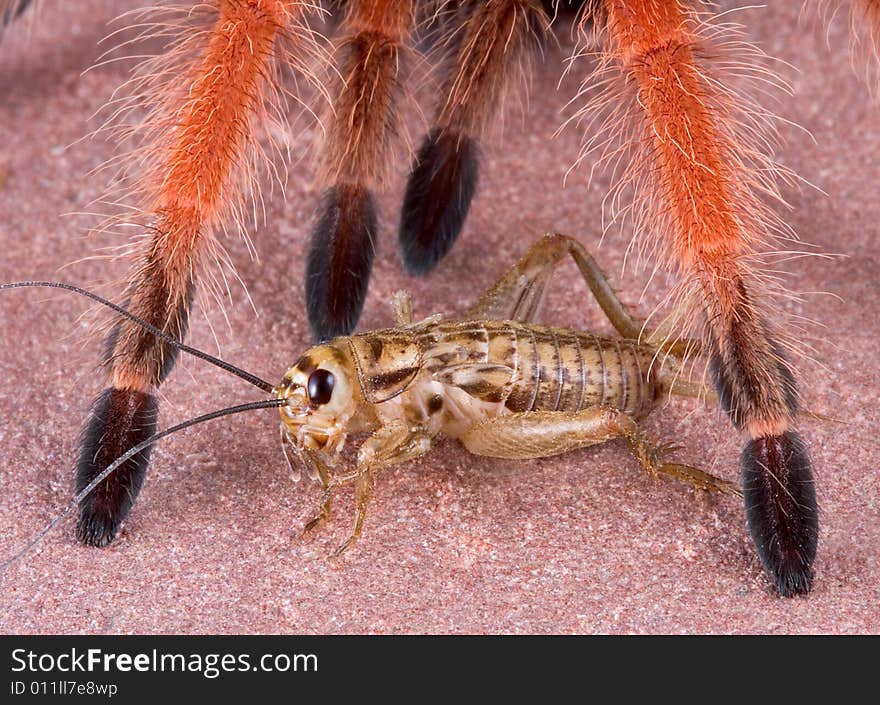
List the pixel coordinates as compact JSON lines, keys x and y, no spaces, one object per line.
{"x":131,"y":452}
{"x":217,"y":362}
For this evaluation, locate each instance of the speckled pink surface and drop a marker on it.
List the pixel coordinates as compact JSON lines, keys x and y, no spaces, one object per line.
{"x":453,"y":543}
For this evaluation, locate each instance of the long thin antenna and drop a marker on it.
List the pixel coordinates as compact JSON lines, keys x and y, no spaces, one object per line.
{"x":266,"y":404}
{"x":217,"y":362}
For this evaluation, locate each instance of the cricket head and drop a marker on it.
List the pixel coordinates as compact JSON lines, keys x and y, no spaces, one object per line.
{"x":322,"y":398}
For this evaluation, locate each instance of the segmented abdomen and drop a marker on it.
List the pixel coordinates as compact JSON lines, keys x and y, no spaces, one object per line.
{"x":555,"y":369}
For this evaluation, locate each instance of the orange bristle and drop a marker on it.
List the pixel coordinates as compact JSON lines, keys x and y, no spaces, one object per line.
{"x":358,"y":146}
{"x":489,"y":49}
{"x":194,"y":172}
{"x":865,"y":28}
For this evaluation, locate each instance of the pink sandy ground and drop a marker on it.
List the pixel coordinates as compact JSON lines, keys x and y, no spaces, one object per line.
{"x":453,"y":543}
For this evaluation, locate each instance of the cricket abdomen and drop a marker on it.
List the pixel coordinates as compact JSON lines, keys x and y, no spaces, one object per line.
{"x":551,"y":369}
{"x":565,"y":370}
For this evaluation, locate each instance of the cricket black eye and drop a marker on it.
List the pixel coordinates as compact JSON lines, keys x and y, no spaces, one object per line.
{"x":320,"y":386}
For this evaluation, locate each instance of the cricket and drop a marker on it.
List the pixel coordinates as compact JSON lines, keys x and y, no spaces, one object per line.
{"x":502,"y":384}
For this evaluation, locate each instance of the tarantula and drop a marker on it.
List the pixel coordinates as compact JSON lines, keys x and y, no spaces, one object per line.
{"x":694,"y":154}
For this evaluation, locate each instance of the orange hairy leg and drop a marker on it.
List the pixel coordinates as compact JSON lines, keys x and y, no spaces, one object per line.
{"x":865,"y":26}
{"x":702,"y":188}
{"x":866,"y":16}
{"x":491,"y":41}
{"x":355,"y":161}
{"x":190,"y":188}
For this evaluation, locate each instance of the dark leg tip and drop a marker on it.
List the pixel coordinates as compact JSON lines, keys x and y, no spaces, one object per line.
{"x":10,"y":13}
{"x":120,"y":419}
{"x":781,"y":508}
{"x":438,"y":196}
{"x":340,"y":260}
{"x":98,"y":531}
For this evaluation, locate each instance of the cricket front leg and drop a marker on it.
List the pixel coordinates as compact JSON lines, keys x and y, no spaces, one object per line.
{"x":296,"y":457}
{"x":539,"y":434}
{"x":396,"y":443}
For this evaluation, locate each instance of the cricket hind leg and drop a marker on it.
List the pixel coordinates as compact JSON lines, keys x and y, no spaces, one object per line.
{"x":539,"y":434}
{"x":520,"y":291}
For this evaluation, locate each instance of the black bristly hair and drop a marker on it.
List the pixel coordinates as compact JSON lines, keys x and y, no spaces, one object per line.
{"x":340,"y":259}
{"x":171,"y":340}
{"x":438,"y":197}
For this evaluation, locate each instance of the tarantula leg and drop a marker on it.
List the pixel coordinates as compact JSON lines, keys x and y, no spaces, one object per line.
{"x":781,"y":508}
{"x":11,"y":9}
{"x":708,"y":199}
{"x":194,"y":182}
{"x":489,"y":41}
{"x":355,"y":161}
{"x":437,"y":199}
{"x":119,"y":420}
{"x":125,"y":413}
{"x":340,"y":259}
